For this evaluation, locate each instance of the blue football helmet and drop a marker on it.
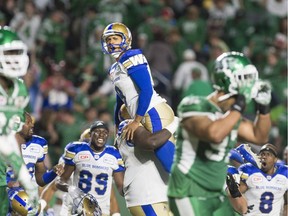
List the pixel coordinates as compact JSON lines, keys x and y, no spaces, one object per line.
{"x":19,"y":201}
{"x":116,"y":29}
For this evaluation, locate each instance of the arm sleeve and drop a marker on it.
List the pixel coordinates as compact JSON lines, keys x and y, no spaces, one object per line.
{"x":142,"y":80}
{"x":118,"y":105}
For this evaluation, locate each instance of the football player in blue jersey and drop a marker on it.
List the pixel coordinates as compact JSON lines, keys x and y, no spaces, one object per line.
{"x":34,"y":149}
{"x":261,"y":191}
{"x":50,"y":190}
{"x":93,"y":166}
{"x":149,"y":196}
{"x":133,"y":82}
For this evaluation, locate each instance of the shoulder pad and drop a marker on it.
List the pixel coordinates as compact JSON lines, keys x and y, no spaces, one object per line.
{"x":233,"y":170}
{"x":283,"y":170}
{"x":76,"y":146}
{"x":247,"y":169}
{"x":193,"y":103}
{"x":129,"y":53}
{"x":134,"y":58}
{"x":22,"y":87}
{"x":112,"y":150}
{"x":39,"y":140}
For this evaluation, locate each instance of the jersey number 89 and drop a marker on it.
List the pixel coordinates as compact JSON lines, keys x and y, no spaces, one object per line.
{"x":85,"y":182}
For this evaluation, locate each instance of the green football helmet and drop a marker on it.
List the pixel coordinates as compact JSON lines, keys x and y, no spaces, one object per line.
{"x":14,"y":60}
{"x":234,"y":74}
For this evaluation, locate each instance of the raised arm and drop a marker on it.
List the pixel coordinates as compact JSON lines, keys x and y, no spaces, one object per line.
{"x":234,"y":192}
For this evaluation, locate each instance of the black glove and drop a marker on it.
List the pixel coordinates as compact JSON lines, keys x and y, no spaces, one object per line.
{"x":250,"y":208}
{"x":232,"y":186}
{"x":239,"y":104}
{"x":263,"y":109}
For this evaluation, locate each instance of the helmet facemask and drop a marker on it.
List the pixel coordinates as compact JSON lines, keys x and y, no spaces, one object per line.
{"x":87,"y":206}
{"x":14,"y":60}
{"x":120,"y":30}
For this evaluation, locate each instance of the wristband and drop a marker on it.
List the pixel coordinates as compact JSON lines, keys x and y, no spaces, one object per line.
{"x":263,"y":109}
{"x":236,"y":107}
{"x":240,"y":103}
{"x":49,"y":176}
{"x":116,"y":214}
{"x":172,"y":127}
{"x":235,"y":194}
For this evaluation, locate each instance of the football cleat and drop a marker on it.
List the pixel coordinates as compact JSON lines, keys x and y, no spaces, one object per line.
{"x":236,"y":156}
{"x":249,"y":155}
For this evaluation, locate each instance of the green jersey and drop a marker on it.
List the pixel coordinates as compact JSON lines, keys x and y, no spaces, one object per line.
{"x":12,"y":105}
{"x":3,"y":167}
{"x":199,"y":167}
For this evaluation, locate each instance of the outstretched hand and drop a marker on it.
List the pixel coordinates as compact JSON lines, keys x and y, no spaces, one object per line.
{"x":59,"y":169}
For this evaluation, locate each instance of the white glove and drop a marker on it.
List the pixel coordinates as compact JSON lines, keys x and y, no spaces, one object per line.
{"x":262,"y":92}
{"x":172,"y":127}
{"x":32,"y":192}
{"x":75,"y":192}
{"x":39,"y":209}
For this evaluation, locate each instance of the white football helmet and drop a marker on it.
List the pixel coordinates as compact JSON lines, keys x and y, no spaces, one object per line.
{"x":14,"y":59}
{"x":116,"y":29}
{"x":87,"y":205}
{"x":233,"y":74}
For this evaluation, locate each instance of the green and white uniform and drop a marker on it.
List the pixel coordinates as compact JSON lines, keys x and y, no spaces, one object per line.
{"x":14,"y":98}
{"x":12,"y":118}
{"x":12,"y":105}
{"x":199,"y":168}
{"x":4,"y":202}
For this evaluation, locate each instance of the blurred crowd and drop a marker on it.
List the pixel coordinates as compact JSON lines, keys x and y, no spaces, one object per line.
{"x":67,"y":77}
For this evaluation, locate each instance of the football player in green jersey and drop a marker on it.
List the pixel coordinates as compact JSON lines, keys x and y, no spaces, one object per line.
{"x":209,"y":128}
{"x":4,"y":203}
{"x":13,"y":100}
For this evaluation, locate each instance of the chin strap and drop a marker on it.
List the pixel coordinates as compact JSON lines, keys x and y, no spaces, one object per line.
{"x":116,"y":54}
